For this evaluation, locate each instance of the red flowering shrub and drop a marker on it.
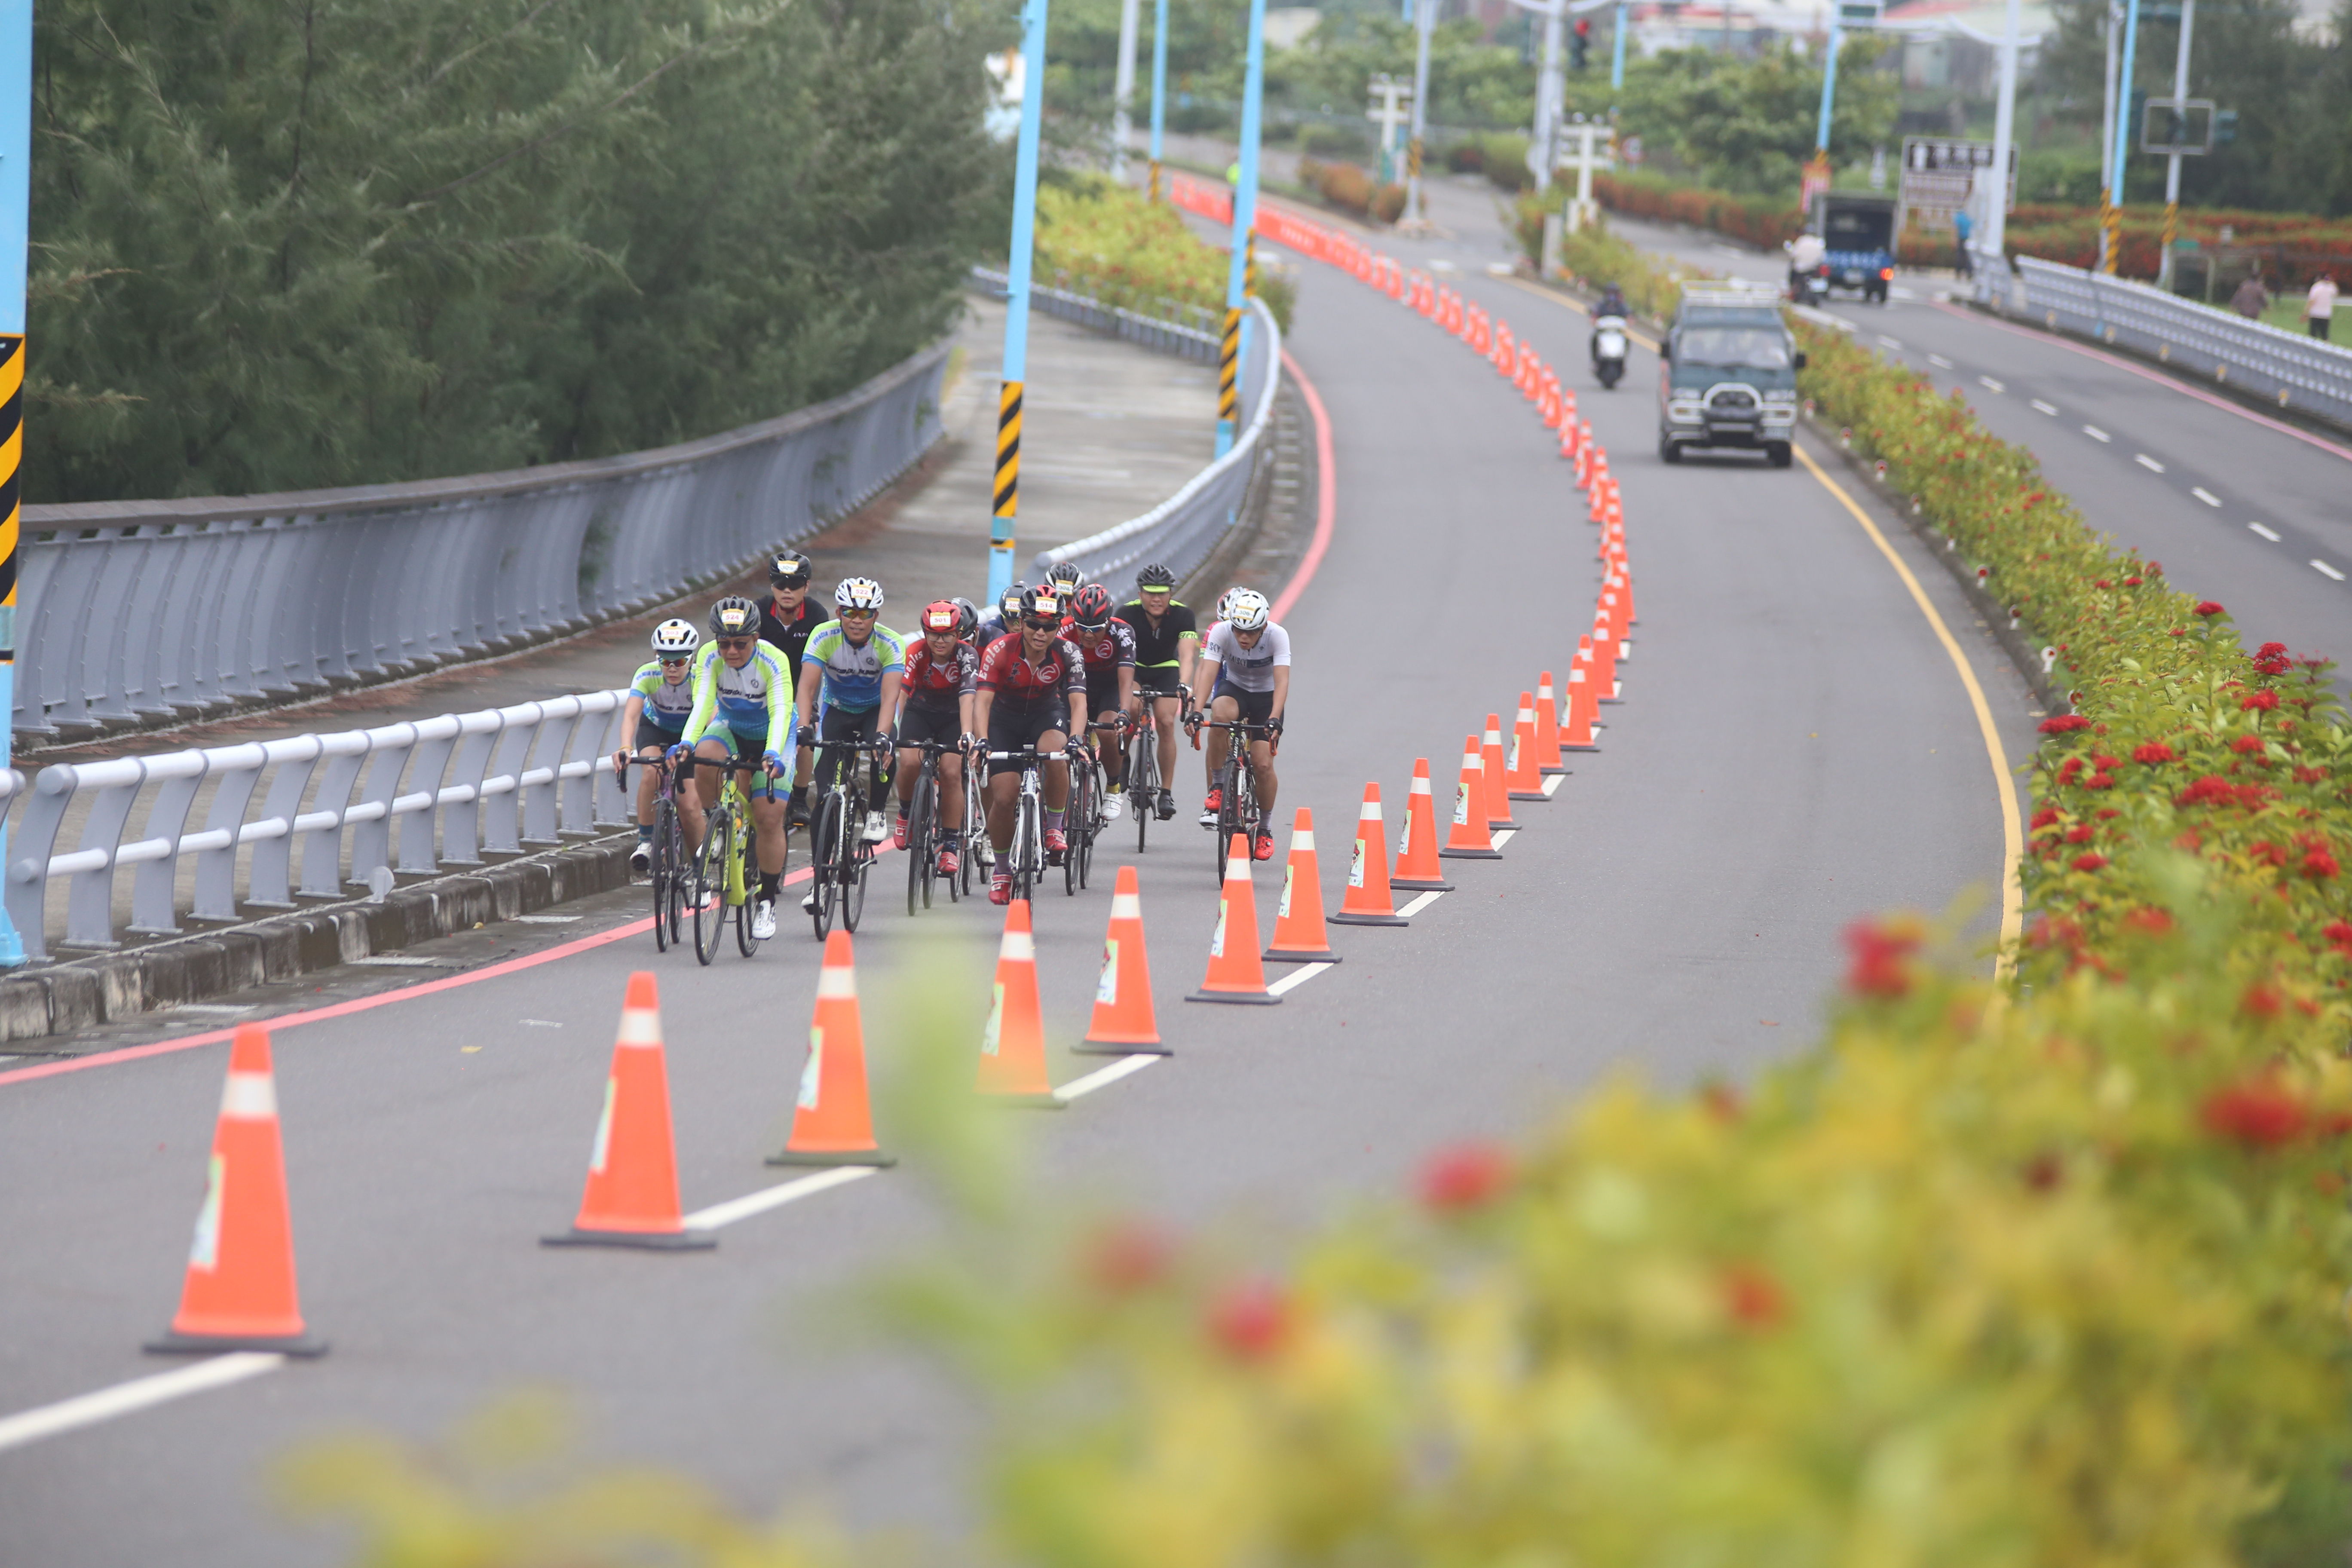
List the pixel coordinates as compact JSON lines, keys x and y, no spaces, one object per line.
{"x":2153,"y":752}
{"x":2064,"y":723}
{"x":1250,"y":1321}
{"x":2259,"y":1113}
{"x":1880,"y":952}
{"x":2091,"y":862}
{"x":1466,"y":1176}
{"x":2208,"y":607}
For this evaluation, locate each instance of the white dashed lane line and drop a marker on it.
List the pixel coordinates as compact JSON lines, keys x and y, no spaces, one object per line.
{"x":2208,"y":496}
{"x":1990,"y":384}
{"x":1895,"y":344}
{"x":2041,"y":407}
{"x":2269,"y":534}
{"x":2329,"y":571}
{"x":1939,"y":361}
{"x":2095,"y":433}
{"x":2150,"y":464}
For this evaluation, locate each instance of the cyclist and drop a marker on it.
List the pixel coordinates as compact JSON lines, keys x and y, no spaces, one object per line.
{"x":967,"y":621}
{"x":1065,"y":578}
{"x":661,"y":696}
{"x":934,"y":703}
{"x":787,"y":621}
{"x":856,"y":664}
{"x":1244,"y":674}
{"x":1005,"y":617}
{"x":742,"y":708}
{"x":1107,"y":645}
{"x":1167,"y":643}
{"x":1032,"y":694}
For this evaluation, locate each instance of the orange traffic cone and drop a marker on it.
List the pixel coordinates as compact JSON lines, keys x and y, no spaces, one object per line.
{"x":1469,"y":839}
{"x":631,"y":1198}
{"x":1524,"y":778}
{"x":1604,"y":664}
{"x":1494,"y":777}
{"x":1012,"y":1049}
{"x":1578,"y":723}
{"x":1124,"y":1024}
{"x":1368,"y":901}
{"x":1298,"y":919}
{"x":1548,"y":728}
{"x":1417,"y":867}
{"x":831,"y":1124}
{"x":1236,"y":971}
{"x":238,"y":1293}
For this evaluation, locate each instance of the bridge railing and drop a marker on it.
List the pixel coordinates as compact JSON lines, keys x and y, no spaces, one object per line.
{"x":2279,"y":366}
{"x":144,"y":611}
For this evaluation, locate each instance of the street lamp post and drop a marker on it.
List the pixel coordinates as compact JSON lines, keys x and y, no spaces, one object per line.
{"x":1552,"y":96}
{"x":2172,"y":169}
{"x":1617,"y":52}
{"x":1416,"y":203}
{"x":2108,"y":127}
{"x":2111,"y":201}
{"x":1007,"y":489}
{"x":1991,"y":245}
{"x":1241,"y":274}
{"x":1123,"y":91}
{"x":16,"y":201}
{"x":1159,"y":86}
{"x":1817,"y":172}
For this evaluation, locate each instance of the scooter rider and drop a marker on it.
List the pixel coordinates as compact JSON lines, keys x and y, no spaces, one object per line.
{"x":1806,"y":254}
{"x":1611,"y":307}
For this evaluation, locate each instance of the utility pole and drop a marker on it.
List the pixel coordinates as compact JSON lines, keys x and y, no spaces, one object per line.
{"x":2172,"y":169}
{"x":1617,"y":54}
{"x":15,"y":202}
{"x":1123,"y":91}
{"x":1159,"y":86}
{"x":1391,"y":116}
{"x":1992,"y":239}
{"x":1416,"y":201}
{"x":1551,"y":97}
{"x":2107,"y":128}
{"x":1001,"y":541}
{"x":1817,"y":172}
{"x":2111,"y":201}
{"x":1241,"y":276}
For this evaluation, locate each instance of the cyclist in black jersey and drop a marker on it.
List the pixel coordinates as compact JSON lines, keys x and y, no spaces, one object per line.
{"x":787,"y":620}
{"x":1166,"y":641}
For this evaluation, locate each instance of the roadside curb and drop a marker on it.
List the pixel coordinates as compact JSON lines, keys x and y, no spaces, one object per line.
{"x":111,"y":987}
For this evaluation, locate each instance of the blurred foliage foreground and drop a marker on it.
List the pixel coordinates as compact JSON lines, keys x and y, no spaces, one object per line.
{"x":2045,"y":1275}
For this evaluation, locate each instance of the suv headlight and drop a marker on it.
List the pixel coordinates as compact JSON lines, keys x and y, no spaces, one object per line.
{"x":1682,"y":411}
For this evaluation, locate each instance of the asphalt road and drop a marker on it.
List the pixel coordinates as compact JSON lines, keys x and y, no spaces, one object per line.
{"x":1796,"y":749}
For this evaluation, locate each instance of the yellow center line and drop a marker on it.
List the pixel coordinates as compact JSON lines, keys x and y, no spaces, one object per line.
{"x":2012,"y":829}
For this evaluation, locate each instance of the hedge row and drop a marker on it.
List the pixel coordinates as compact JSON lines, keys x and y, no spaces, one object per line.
{"x":1763,"y":221}
{"x":1106,"y":240}
{"x":1352,"y":189}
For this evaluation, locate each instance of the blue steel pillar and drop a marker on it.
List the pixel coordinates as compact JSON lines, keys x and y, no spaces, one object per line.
{"x":1617,"y":52}
{"x":1001,"y":541}
{"x":15,"y":202}
{"x":1159,"y":86}
{"x":2112,"y":214}
{"x":1239,"y":278}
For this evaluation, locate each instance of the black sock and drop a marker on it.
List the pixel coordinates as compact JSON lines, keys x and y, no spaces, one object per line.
{"x":768,"y":880}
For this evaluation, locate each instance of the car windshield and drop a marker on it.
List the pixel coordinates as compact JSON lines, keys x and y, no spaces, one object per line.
{"x":1740,"y":348}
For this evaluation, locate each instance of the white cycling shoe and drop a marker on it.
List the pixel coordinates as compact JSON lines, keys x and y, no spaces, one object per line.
{"x":808,"y":900}
{"x":1112,"y":805}
{"x":877,"y":828}
{"x":641,"y":858}
{"x":763,"y":919}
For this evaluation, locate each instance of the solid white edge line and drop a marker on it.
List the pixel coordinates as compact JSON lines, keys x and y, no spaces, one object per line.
{"x":139,"y":1393}
{"x":1423,"y":901}
{"x":2208,"y":496}
{"x":2330,"y":571}
{"x":1296,"y":978}
{"x":776,"y":1196}
{"x":1105,"y":1076}
{"x":2269,"y":533}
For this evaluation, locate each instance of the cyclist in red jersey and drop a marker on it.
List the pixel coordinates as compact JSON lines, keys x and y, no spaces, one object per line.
{"x":1107,"y":645}
{"x":936,"y":698}
{"x":1032,"y":694}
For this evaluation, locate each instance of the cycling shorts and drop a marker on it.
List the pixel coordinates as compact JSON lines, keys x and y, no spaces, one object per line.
{"x":1017,"y":728}
{"x":1102,"y":693}
{"x":749,"y":745}
{"x":835,"y":725}
{"x":1257,"y":707}
{"x":1163,"y":679}
{"x":652,"y":736}
{"x":918,"y":724}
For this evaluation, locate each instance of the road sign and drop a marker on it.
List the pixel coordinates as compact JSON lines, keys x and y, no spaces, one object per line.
{"x":1937,"y":174}
{"x":2182,"y":125}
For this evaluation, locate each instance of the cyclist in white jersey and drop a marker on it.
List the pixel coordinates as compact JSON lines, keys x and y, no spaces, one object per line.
{"x":742,"y":708}
{"x":661,"y":697}
{"x":1244,"y":673}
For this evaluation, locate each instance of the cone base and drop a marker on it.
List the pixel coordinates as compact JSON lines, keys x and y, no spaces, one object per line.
{"x":649,"y":1240}
{"x":1420,"y":884}
{"x":1024,"y":1099}
{"x":1463,"y":855}
{"x":1552,"y":767}
{"x":174,"y":1342}
{"x":1094,"y":1047}
{"x":1352,"y":918}
{"x":1528,"y":795}
{"x":1298,"y":956}
{"x":1499,"y":825}
{"x":870,"y":1157}
{"x":1247,"y":998}
{"x":1612,"y":701}
{"x":1587,"y":746}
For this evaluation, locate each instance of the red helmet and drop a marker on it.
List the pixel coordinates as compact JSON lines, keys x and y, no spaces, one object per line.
{"x":1091,"y":607}
{"x":942,"y":616}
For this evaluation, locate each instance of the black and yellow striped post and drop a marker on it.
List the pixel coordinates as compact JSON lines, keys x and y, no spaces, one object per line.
{"x":1413,"y":159}
{"x":2111,"y":231}
{"x":12,"y":487}
{"x":1229,"y":397}
{"x":1155,"y":179}
{"x":1000,"y":540}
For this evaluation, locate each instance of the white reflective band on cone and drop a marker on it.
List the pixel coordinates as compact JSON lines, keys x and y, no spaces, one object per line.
{"x":1371,"y":810}
{"x":640,"y":1026}
{"x":836,"y":982}
{"x":1301,"y":838}
{"x":1125,"y":907}
{"x":249,"y":1097}
{"x":1018,"y":946}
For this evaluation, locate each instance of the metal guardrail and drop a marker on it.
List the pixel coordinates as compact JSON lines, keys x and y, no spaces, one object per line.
{"x":1181,"y":530}
{"x":2293,"y":371}
{"x":1197,"y":338}
{"x":502,"y":780}
{"x":151,"y":610}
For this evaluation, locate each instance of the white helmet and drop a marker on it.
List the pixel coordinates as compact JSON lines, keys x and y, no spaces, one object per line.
{"x":1246,"y":608}
{"x":675,"y":639}
{"x":857,"y":593}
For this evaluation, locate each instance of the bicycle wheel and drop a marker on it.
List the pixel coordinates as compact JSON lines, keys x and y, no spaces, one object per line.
{"x":856,"y":860}
{"x":745,"y":943}
{"x":1083,"y":849}
{"x":710,"y":884}
{"x":663,"y":872}
{"x":1028,"y":848}
{"x":919,"y":841}
{"x":1142,"y":783}
{"x":825,"y":858}
{"x":1074,"y":828}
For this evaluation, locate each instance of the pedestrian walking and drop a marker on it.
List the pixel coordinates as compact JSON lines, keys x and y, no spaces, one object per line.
{"x":1963,"y":225}
{"x":2251,"y":299}
{"x":2319,"y":305}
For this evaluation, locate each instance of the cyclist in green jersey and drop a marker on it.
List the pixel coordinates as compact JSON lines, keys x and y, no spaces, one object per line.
{"x":742,"y":708}
{"x":1167,"y":642}
{"x":661,"y":697}
{"x":856,"y":664}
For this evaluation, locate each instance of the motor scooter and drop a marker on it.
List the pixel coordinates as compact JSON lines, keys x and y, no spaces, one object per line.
{"x":1609,"y":348}
{"x":1812,"y":286}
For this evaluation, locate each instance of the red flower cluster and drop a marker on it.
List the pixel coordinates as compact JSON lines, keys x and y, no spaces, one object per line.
{"x":2247,"y":745}
{"x":2154,"y":751}
{"x":2259,"y":700}
{"x":1466,"y":1176}
{"x":2309,"y":775}
{"x":1250,"y":1319}
{"x":2091,"y":862}
{"x":2149,"y":922}
{"x":2271,"y":650}
{"x":2263,"y":852}
{"x":2131,"y":582}
{"x":1127,"y":1256}
{"x":2339,"y":936}
{"x":2081,"y":832}
{"x":2101,"y":582}
{"x":2065,"y":723}
{"x":2047,"y":816}
{"x":1879,"y":953}
{"x":2208,"y":607}
{"x":2100,"y":780}
{"x":2214,"y":790}
{"x":2320,"y":866}
{"x":1753,"y":1297}
{"x":2259,"y":1115}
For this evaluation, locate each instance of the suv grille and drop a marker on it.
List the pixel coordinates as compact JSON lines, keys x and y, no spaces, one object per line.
{"x":1731,"y":401}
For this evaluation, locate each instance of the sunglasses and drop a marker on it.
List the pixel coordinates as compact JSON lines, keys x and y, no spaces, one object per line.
{"x":1041,"y":622}
{"x":855,"y":615}
{"x":736,"y":644}
{"x":793,"y":583}
{"x":678,"y":663}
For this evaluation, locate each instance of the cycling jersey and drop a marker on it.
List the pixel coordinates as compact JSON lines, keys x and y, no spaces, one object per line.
{"x":1112,"y":648}
{"x":1154,"y":649}
{"x":791,"y":638}
{"x":753,"y":700}
{"x":666,"y":702}
{"x":853,"y":671}
{"x":992,"y":627}
{"x":1246,"y":669}
{"x":937,"y":683}
{"x":1007,"y":670}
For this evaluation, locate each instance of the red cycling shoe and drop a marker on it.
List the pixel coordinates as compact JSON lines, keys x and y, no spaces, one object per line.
{"x":1000,"y":888}
{"x":1263,"y":848}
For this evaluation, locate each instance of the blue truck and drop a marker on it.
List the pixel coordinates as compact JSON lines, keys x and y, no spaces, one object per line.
{"x":1858,"y":232}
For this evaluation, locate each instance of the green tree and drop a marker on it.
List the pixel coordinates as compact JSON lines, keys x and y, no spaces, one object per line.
{"x":1748,"y":125}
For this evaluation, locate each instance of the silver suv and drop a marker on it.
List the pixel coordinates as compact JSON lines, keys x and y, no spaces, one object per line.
{"x":1727,"y":376}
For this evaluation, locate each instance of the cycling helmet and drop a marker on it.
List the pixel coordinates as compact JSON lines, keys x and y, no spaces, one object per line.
{"x":1066,"y":577}
{"x":1008,"y":603}
{"x":1091,"y":607}
{"x":858,"y":594}
{"x":790,"y":569}
{"x":968,"y":621}
{"x":1155,"y":576}
{"x":674,"y":639}
{"x":1246,"y":608}
{"x":734,"y":617}
{"x":1224,"y":611}
{"x":1042,"y":600}
{"x":940,"y":615}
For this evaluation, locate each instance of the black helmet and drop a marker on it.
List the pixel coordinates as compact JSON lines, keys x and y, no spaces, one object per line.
{"x":790,"y":569}
{"x":968,"y":624}
{"x":1155,"y":576}
{"x":734,"y":617}
{"x":1066,"y":575}
{"x":1008,"y":603}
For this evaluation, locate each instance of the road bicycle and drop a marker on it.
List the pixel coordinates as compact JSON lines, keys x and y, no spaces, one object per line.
{"x":668,"y":848}
{"x":721,"y":872}
{"x":1028,"y":848}
{"x":975,"y":823}
{"x":840,"y":852}
{"x":1143,"y":783}
{"x":1238,"y":810}
{"x":1089,"y":789}
{"x":926,"y":837}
